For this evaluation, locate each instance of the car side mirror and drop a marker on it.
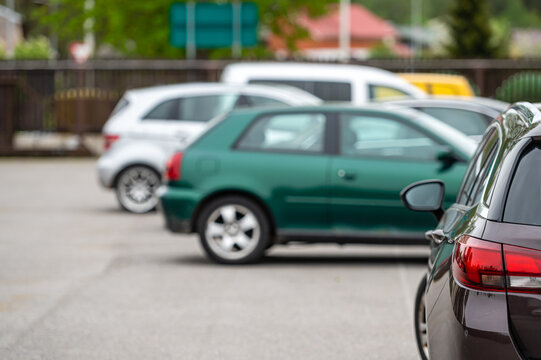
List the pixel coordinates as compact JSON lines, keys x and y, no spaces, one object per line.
{"x":424,"y":195}
{"x":447,"y":159}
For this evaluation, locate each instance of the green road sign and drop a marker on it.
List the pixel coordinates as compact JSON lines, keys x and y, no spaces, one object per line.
{"x":208,"y":25}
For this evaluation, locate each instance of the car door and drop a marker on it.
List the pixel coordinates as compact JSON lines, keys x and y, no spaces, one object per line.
{"x":377,"y":157}
{"x":460,"y":219}
{"x":282,"y":158}
{"x":173,"y":121}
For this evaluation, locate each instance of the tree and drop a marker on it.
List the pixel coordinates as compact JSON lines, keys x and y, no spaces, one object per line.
{"x":141,"y":28}
{"x":470,"y":30}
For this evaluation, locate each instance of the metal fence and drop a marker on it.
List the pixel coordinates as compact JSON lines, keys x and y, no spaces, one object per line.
{"x":62,"y":96}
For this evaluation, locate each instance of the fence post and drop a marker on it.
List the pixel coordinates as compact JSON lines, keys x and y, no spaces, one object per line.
{"x":480,"y":80}
{"x":7,"y":116}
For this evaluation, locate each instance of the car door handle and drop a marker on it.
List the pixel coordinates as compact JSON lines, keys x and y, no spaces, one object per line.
{"x":437,"y":235}
{"x":345,"y":175}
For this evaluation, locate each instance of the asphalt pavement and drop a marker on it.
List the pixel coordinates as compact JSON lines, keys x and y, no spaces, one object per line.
{"x":81,"y":279}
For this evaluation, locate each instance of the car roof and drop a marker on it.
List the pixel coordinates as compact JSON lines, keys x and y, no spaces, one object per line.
{"x":189,"y":88}
{"x":338,"y":70}
{"x":454,"y":102}
{"x":313,"y":71}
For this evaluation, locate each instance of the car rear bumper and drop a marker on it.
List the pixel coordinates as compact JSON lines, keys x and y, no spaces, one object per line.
{"x":106,"y":170}
{"x":178,"y":206}
{"x":468,"y":324}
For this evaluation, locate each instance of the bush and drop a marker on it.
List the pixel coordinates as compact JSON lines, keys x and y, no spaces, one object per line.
{"x":523,"y":86}
{"x":34,"y":49}
{"x":382,"y":51}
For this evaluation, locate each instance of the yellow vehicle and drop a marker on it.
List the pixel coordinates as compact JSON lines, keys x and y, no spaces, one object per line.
{"x":440,"y":84}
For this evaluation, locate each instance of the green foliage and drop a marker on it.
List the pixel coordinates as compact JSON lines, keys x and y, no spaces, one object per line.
{"x":258,"y":52}
{"x":470,"y":31}
{"x":523,"y":86}
{"x":521,"y":13}
{"x":2,"y":52}
{"x":382,"y":51}
{"x":34,"y":49}
{"x":141,"y":28}
{"x":501,"y":37}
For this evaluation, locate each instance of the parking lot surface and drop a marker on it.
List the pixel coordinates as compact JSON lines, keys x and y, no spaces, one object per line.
{"x":81,"y":279}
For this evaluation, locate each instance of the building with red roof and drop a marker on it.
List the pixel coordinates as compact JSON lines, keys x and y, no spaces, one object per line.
{"x":366,"y":31}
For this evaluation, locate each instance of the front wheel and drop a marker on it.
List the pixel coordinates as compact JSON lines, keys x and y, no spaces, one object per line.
{"x":136,"y":187}
{"x":233,"y":230}
{"x":421,"y":334}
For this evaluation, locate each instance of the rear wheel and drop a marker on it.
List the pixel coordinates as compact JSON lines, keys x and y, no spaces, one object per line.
{"x":421,"y":333}
{"x":233,"y":230}
{"x":136,"y":187}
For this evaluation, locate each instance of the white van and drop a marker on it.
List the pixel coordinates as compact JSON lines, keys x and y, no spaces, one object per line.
{"x":329,"y":82}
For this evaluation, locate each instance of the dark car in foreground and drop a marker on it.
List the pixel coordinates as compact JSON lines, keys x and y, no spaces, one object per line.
{"x":310,"y":174}
{"x":470,"y":115}
{"x":481,"y":297}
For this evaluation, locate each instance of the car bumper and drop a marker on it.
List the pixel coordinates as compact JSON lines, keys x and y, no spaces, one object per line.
{"x":468,"y":324}
{"x":106,"y":170}
{"x":178,"y":206}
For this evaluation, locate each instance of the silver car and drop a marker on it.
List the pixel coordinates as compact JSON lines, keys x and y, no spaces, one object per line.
{"x":150,"y":124}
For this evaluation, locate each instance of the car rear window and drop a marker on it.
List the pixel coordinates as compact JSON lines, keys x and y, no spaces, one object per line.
{"x":193,"y":108}
{"x":523,"y":204}
{"x":325,"y":90}
{"x":468,"y":122}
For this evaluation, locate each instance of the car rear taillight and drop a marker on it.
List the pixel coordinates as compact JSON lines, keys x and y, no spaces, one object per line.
{"x":523,"y":268}
{"x":478,"y":264}
{"x":484,"y":265}
{"x":109,"y":140}
{"x":172,"y":170}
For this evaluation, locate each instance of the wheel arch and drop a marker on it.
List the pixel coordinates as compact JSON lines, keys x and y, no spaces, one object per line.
{"x":233,"y":192}
{"x":133,"y":164}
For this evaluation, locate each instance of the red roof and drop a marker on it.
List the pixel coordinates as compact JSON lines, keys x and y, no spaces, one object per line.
{"x":364,"y":25}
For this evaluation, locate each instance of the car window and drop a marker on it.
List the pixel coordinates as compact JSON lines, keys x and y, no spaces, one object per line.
{"x":295,"y":132}
{"x":381,"y":137}
{"x":378,"y":92}
{"x":482,"y":179}
{"x":253,"y":100}
{"x":325,"y":90}
{"x":523,"y":204}
{"x":485,"y":152}
{"x":468,"y":122}
{"x":193,"y":108}
{"x":167,"y":110}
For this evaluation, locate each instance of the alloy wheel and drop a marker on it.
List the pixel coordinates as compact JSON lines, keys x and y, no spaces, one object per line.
{"x":232,"y":231}
{"x":136,"y":189}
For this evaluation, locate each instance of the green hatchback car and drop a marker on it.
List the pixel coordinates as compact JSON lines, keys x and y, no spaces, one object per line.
{"x":261,"y":177}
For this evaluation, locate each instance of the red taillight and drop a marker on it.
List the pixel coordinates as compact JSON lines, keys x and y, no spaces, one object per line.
{"x":172,"y":171}
{"x":478,"y":264}
{"x":523,"y":267}
{"x":109,"y":140}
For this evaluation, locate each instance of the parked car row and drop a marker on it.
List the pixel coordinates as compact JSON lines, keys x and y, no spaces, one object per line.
{"x":148,"y":125}
{"x":288,"y":168}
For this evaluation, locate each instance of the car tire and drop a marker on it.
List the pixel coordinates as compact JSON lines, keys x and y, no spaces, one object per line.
{"x":420,"y":320}
{"x":233,"y":230}
{"x":136,"y":189}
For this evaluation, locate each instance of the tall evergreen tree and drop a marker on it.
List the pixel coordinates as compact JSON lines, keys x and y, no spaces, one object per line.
{"x":469,"y":27}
